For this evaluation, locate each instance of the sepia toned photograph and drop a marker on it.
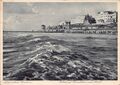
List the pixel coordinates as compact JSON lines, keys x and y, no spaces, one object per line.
{"x":60,"y":41}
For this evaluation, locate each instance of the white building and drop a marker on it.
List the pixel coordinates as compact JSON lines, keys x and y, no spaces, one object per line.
{"x":106,"y":17}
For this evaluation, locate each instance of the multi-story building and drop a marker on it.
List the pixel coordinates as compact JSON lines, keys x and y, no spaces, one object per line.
{"x":106,"y":17}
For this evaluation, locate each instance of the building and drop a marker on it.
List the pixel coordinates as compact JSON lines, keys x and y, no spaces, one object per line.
{"x":106,"y":17}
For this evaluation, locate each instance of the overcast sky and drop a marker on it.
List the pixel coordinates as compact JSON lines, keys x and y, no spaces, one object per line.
{"x":30,"y":16}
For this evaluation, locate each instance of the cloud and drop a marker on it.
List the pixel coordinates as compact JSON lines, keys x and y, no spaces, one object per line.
{"x":28,"y":15}
{"x":11,"y":22}
{"x":18,"y":8}
{"x":34,"y":10}
{"x":46,"y":7}
{"x":29,"y":4}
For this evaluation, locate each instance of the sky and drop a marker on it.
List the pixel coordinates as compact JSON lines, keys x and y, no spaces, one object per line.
{"x":25,"y":16}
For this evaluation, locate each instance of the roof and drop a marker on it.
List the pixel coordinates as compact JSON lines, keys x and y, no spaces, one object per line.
{"x":109,"y":12}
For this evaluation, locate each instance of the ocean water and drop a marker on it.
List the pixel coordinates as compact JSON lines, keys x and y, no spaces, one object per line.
{"x":98,"y":50}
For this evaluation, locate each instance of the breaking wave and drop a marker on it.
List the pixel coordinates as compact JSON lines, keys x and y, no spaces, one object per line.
{"x":44,"y":58}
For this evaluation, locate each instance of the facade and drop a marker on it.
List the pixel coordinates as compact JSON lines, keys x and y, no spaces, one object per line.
{"x":106,"y":17}
{"x":89,"y":24}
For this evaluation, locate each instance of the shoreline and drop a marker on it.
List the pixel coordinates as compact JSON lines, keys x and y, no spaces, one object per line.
{"x":86,"y":32}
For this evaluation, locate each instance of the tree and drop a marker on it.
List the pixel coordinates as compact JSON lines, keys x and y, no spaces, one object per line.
{"x":89,"y":19}
{"x":43,"y":27}
{"x":92,"y":20}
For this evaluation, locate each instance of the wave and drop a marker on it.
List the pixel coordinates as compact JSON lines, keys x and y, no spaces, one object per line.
{"x":51,"y":59}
